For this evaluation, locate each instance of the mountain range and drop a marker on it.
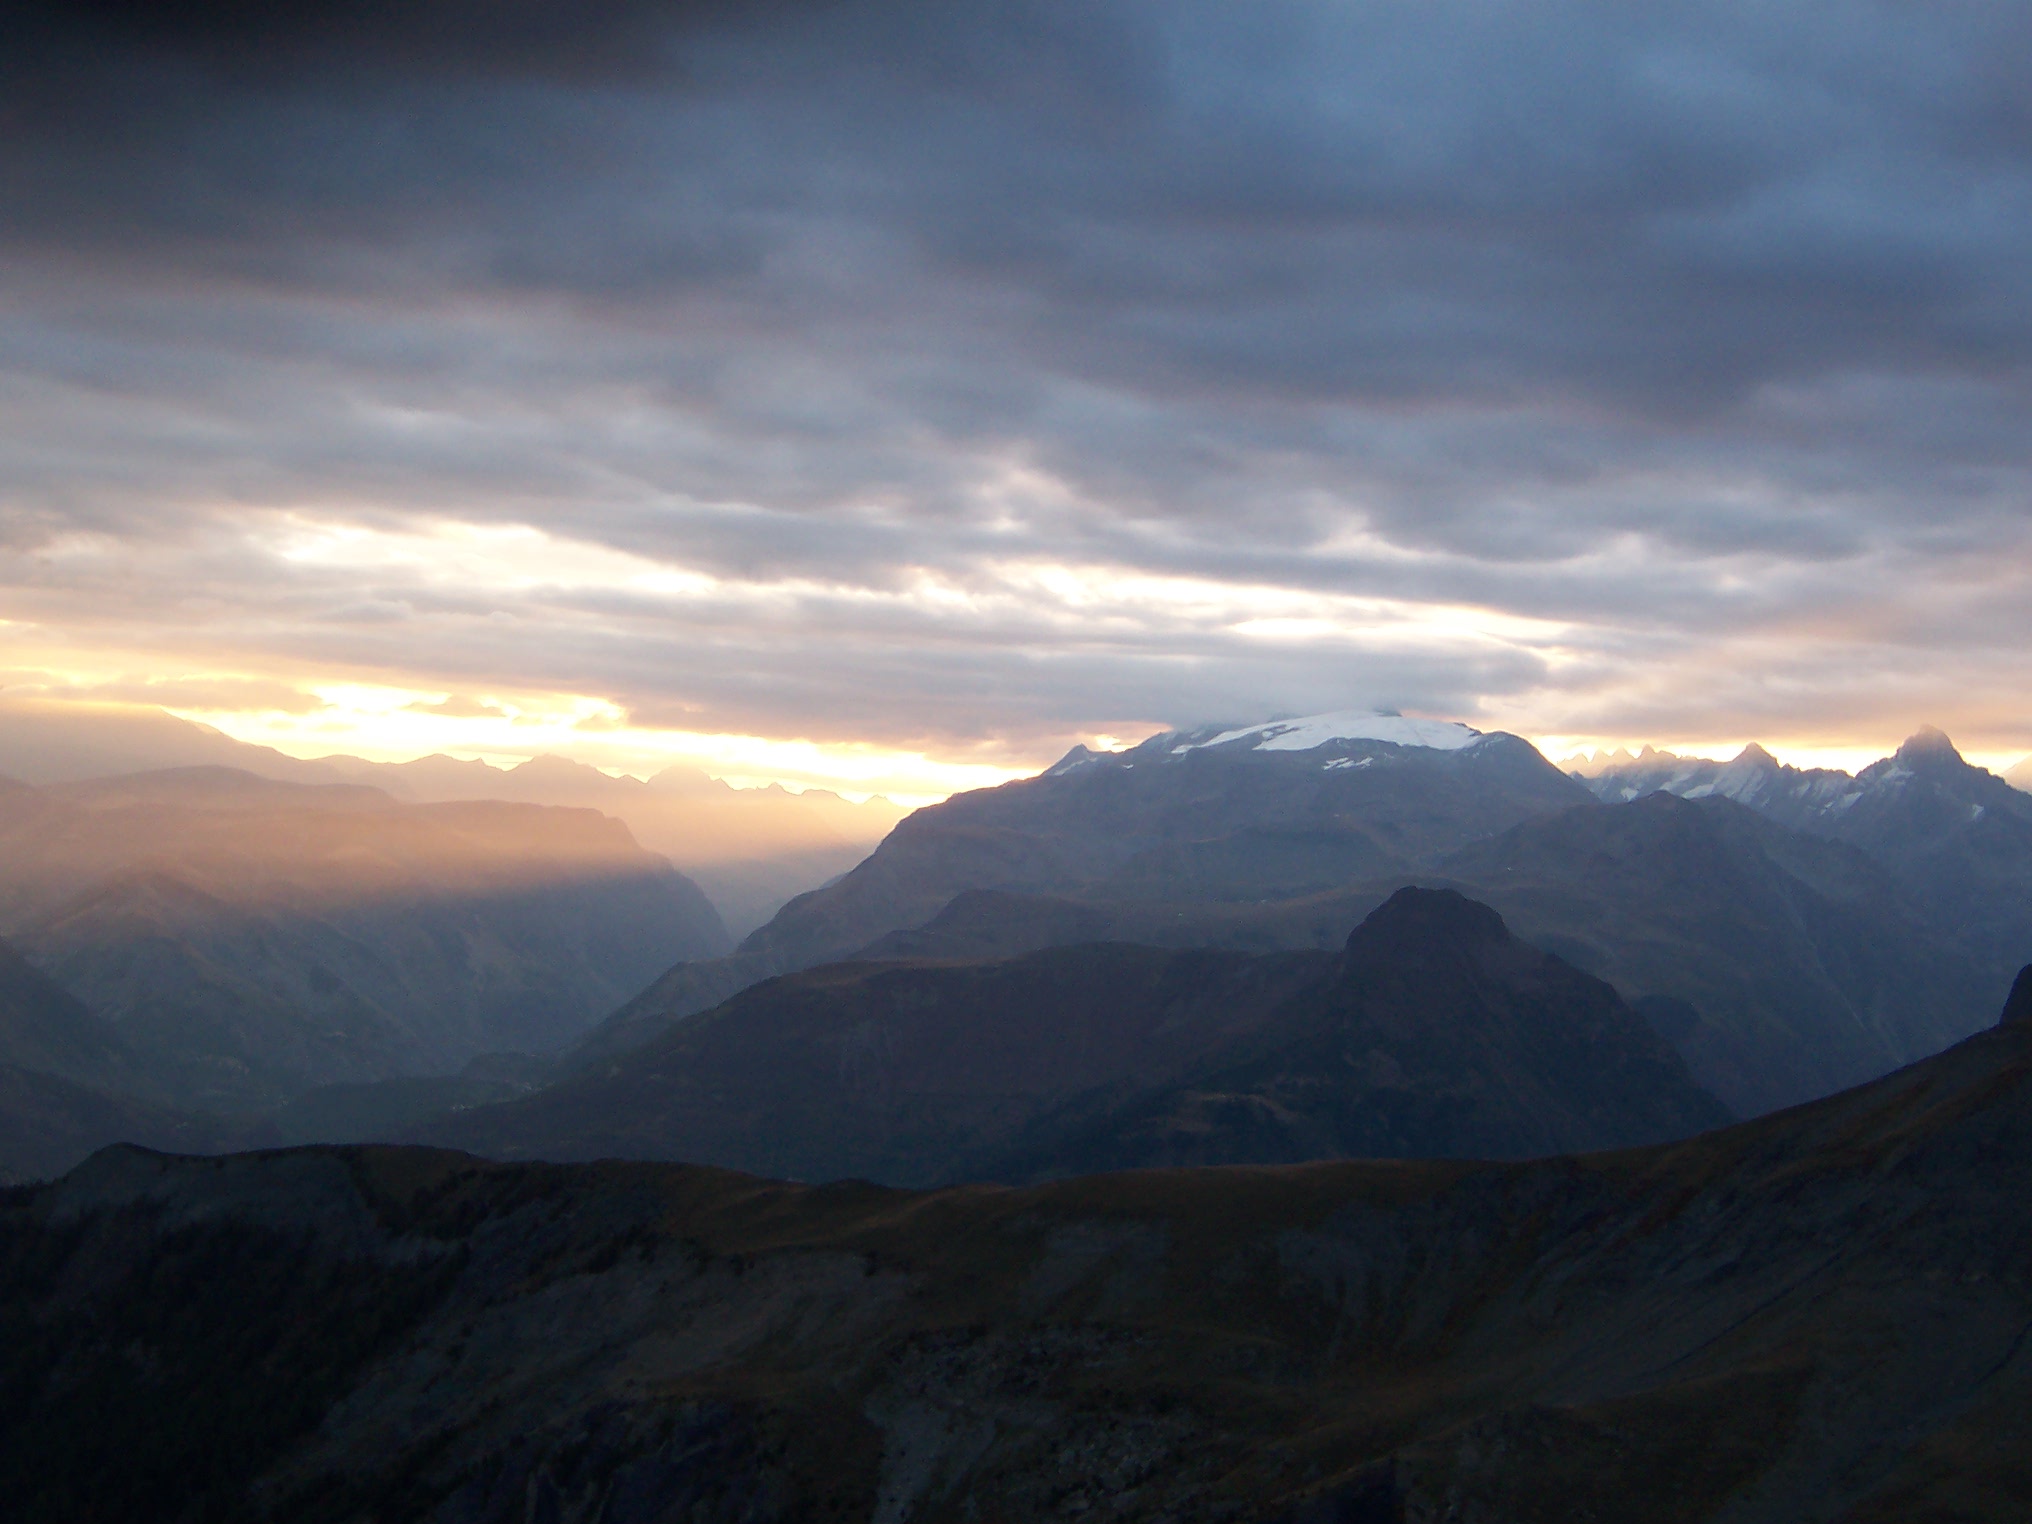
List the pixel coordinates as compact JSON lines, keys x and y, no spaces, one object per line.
{"x":1783,"y":960}
{"x":1817,"y":1317}
{"x":350,"y":966}
{"x":1959,"y":838}
{"x":1208,"y":817}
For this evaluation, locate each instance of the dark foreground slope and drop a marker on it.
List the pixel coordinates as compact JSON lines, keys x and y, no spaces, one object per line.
{"x":1818,"y":1316}
{"x":1435,"y":1033}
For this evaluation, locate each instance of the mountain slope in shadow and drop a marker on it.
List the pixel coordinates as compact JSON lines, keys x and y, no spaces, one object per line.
{"x":1439,"y":1036}
{"x":1783,"y":966}
{"x":1434,"y":1033}
{"x":1820,"y":1317}
{"x":1958,"y":837}
{"x":64,"y":1074}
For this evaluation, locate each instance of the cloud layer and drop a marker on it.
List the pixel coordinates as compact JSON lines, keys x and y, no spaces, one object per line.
{"x":968,"y":378}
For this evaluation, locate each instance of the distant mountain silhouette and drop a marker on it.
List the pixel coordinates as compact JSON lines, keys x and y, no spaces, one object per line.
{"x":1435,"y":1034}
{"x":750,"y":849}
{"x":1818,"y":1317}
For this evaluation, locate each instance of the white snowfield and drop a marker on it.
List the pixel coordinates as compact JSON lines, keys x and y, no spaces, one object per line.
{"x":1349,"y":725}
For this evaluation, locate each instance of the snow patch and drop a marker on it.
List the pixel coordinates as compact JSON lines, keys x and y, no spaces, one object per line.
{"x":1349,"y":725}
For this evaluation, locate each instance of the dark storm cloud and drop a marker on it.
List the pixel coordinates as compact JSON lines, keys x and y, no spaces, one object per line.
{"x":1673,"y":328}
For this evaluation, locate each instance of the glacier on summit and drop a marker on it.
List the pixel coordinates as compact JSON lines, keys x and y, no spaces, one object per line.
{"x":1311,"y":731}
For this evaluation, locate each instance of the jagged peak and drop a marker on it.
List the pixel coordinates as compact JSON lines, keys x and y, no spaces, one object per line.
{"x":1755,"y":755}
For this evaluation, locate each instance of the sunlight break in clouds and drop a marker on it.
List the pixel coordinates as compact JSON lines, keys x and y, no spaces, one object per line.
{"x":395,"y":725}
{"x":958,"y":388}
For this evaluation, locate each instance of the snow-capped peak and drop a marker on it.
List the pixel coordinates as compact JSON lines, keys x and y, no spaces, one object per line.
{"x":1317,"y":730}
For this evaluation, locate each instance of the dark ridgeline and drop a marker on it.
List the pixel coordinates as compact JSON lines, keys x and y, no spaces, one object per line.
{"x":1434,"y":1034}
{"x":1818,"y":1317}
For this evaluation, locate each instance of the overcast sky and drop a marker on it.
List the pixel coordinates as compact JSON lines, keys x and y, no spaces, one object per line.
{"x":952,"y":382}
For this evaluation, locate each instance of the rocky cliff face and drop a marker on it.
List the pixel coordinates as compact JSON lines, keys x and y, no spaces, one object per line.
{"x":1817,"y":1317}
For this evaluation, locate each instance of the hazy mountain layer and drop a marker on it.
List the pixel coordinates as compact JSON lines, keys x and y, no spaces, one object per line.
{"x":248,"y":939}
{"x":44,"y":1027}
{"x":64,"y":1074}
{"x":1816,"y":1318}
{"x":1435,"y":1034}
{"x":750,"y":849}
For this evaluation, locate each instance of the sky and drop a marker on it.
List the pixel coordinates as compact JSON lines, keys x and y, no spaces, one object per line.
{"x":888,"y":396}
